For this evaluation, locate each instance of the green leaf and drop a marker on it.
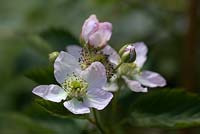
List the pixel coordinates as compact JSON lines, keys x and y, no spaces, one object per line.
{"x":58,"y":109}
{"x":58,"y":38}
{"x":166,"y":109}
{"x":44,"y":75}
{"x":14,"y":123}
{"x":58,"y":125}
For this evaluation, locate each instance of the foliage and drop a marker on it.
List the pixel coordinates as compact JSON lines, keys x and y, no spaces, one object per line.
{"x":169,"y":108}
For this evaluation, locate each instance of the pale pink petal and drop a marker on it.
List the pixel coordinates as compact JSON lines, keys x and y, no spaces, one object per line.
{"x":151,"y":79}
{"x":89,"y":26}
{"x":97,"y":98}
{"x":113,"y":56}
{"x":141,"y":53}
{"x":76,"y":107}
{"x":50,"y":92}
{"x":65,"y":65}
{"x":101,"y":36}
{"x":95,"y":75}
{"x":134,"y":85}
{"x":74,"y":50}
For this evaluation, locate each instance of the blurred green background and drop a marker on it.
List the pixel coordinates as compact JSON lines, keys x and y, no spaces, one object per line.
{"x":170,"y":28}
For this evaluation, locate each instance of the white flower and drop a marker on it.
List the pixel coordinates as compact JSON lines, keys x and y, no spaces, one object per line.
{"x":81,"y":89}
{"x":143,"y":79}
{"x":113,"y":58}
{"x":138,"y":80}
{"x":96,"y":34}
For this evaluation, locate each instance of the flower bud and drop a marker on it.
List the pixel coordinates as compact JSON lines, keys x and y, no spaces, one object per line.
{"x":127,"y":53}
{"x":53,"y":56}
{"x":96,"y":34}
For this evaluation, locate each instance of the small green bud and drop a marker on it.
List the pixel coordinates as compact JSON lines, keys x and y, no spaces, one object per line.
{"x":121,"y":51}
{"x":53,"y":56}
{"x":127,"y":53}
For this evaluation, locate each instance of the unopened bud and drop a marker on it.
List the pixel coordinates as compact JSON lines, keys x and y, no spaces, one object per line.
{"x":127,"y":53}
{"x":96,"y":34}
{"x":53,"y":56}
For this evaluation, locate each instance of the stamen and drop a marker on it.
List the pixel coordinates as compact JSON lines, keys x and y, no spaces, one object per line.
{"x":88,"y":57}
{"x":75,"y":86}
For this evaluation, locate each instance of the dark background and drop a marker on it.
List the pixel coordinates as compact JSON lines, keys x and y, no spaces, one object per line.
{"x":170,"y":28}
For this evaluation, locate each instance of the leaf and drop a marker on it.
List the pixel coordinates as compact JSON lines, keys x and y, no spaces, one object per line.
{"x":43,"y":75}
{"x":58,"y":38}
{"x":58,"y":125}
{"x":14,"y":123}
{"x":166,"y":109}
{"x":58,"y":109}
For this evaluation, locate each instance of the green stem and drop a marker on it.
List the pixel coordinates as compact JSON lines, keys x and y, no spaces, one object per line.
{"x":91,"y":121}
{"x":118,"y":65}
{"x":116,"y":97}
{"x":98,"y":124}
{"x":114,"y":103}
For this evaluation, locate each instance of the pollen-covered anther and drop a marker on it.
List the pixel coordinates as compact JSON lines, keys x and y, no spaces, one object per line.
{"x":75,"y":87}
{"x":88,"y":57}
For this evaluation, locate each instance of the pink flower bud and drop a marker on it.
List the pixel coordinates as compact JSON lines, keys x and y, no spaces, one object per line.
{"x":96,"y":34}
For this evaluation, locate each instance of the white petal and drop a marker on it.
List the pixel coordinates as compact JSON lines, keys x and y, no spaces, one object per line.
{"x":50,"y":92}
{"x":111,"y":86}
{"x":134,"y":85}
{"x":74,"y":50}
{"x":141,"y":53}
{"x":95,"y":75}
{"x":151,"y":79}
{"x":97,"y":98}
{"x":65,"y":65}
{"x":76,"y":107}
{"x":114,"y":58}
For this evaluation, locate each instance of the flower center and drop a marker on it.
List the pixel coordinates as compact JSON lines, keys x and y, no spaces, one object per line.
{"x":88,"y":57}
{"x":75,"y":86}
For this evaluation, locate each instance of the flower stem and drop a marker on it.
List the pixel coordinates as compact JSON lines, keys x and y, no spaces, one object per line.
{"x":98,"y":124}
{"x":91,"y":121}
{"x":114,"y":105}
{"x":115,"y":100}
{"x":118,"y":65}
